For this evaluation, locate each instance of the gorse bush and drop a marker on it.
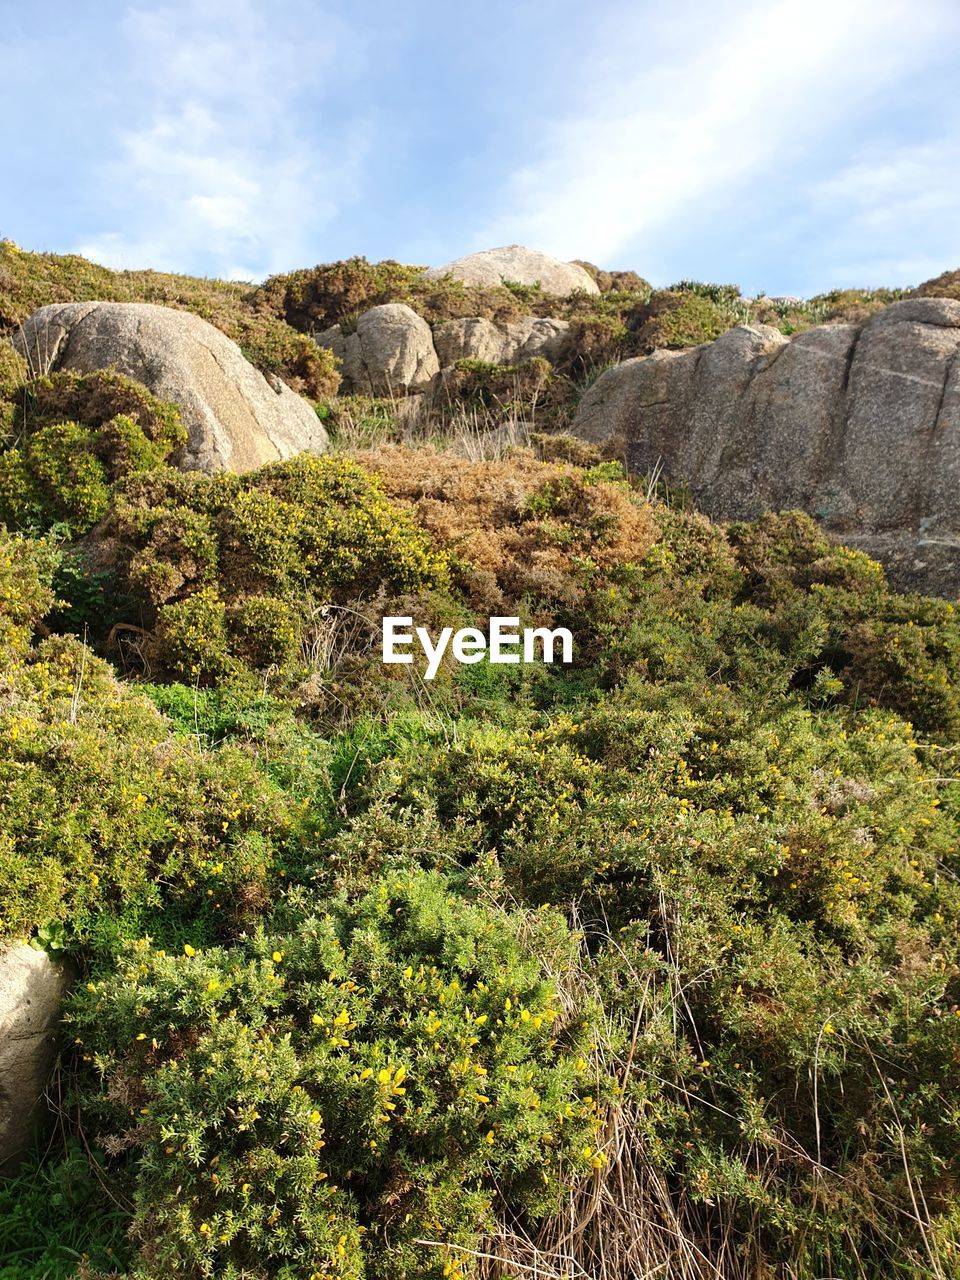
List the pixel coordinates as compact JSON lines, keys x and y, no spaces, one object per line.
{"x":222,"y":564}
{"x":678,"y":319}
{"x":586,"y":970}
{"x":318,"y":1101}
{"x":13,"y":375}
{"x":76,"y":436}
{"x":528,"y":390}
{"x":522,"y":530}
{"x":107,"y":821}
{"x":26,"y":595}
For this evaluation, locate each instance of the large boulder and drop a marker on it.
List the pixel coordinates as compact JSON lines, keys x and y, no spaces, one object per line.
{"x":857,"y":424}
{"x":474,"y":338}
{"x":32,"y":987}
{"x":468,"y":338}
{"x":236,"y":419}
{"x":390,"y":352}
{"x":517,"y":265}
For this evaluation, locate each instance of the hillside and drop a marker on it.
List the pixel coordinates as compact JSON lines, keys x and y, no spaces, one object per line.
{"x":645,"y":965}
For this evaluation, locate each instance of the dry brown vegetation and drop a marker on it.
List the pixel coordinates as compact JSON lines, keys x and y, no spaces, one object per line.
{"x":519,"y":526}
{"x":946,"y":285}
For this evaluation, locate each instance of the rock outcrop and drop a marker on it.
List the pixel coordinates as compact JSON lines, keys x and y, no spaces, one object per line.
{"x":31,"y":990}
{"x":474,"y":338}
{"x":859,"y":425}
{"x":390,"y":352}
{"x":517,"y":265}
{"x":236,"y":419}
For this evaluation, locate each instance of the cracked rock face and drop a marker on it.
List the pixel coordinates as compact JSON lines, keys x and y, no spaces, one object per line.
{"x":31,"y":990}
{"x":236,"y":419}
{"x":857,"y":425}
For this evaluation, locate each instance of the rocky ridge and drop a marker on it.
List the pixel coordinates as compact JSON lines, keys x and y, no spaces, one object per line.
{"x":858,"y":425}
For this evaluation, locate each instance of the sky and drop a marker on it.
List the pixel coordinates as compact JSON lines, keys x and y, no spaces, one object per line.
{"x":787,"y":146}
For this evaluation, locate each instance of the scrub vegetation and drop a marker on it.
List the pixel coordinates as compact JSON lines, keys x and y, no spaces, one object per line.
{"x":644,"y":966}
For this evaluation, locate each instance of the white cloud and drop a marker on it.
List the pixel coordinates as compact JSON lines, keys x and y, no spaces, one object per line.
{"x":216,"y":165}
{"x":701,"y":105}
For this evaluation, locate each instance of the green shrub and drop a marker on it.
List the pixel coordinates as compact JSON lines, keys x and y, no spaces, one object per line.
{"x":321,"y":1097}
{"x":677,"y":320}
{"x":198,"y":549}
{"x":26,"y":571}
{"x":884,"y":649}
{"x":315,"y":298}
{"x":79,"y":434}
{"x":96,"y":399}
{"x":62,"y":462}
{"x":595,"y":342}
{"x":13,"y":374}
{"x":946,"y":285}
{"x":13,"y":371}
{"x":109,"y":823}
{"x":192,"y":635}
{"x":267,"y":631}
{"x":526,"y":390}
{"x":615,"y":281}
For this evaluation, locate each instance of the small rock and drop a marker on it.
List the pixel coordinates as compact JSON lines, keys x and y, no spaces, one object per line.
{"x":32,"y":987}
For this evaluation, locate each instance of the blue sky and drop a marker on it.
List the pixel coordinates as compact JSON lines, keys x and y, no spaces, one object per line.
{"x":784,"y":145}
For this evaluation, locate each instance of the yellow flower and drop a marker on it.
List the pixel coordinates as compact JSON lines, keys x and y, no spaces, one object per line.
{"x":277,"y":957}
{"x":189,"y":951}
